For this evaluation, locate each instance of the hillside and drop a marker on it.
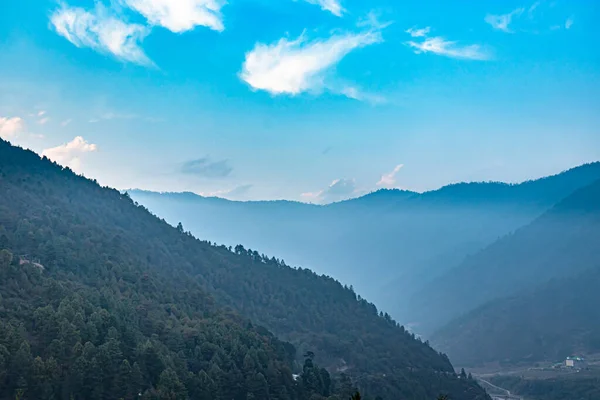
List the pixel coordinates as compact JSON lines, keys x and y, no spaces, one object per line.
{"x":562,"y":242}
{"x":389,"y":244}
{"x":120,"y":267}
{"x":559,"y":319}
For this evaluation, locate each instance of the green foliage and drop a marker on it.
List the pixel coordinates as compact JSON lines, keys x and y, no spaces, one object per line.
{"x":389,"y":243}
{"x":106,"y":301}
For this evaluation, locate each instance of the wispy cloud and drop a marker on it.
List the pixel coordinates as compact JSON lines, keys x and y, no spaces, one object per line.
{"x":206,"y":168}
{"x":298,"y":66}
{"x":502,"y":22}
{"x":355,"y":93}
{"x":43,"y":120}
{"x":533,"y":7}
{"x":69,"y":154}
{"x":109,"y":116}
{"x":100,"y":30}
{"x":528,"y":19}
{"x":181,"y":15}
{"x":569,"y":23}
{"x":66,"y":122}
{"x":414,"y":32}
{"x":41,"y":113}
{"x":113,"y":115}
{"x":10,"y":127}
{"x":235,"y":193}
{"x":440,"y":46}
{"x":389,"y":179}
{"x":333,"y":6}
{"x":339,"y":189}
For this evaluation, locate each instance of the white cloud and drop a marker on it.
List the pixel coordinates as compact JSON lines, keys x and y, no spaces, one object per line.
{"x":236,"y":192}
{"x":358,"y":94}
{"x":69,"y":154}
{"x":440,"y":46}
{"x":414,"y":32}
{"x":569,"y":23}
{"x":533,"y":7}
{"x":298,"y":66}
{"x":333,"y":6}
{"x":502,"y":22}
{"x":311,"y":195}
{"x":339,"y":189}
{"x":10,"y":127}
{"x":66,"y":122}
{"x":181,"y":15}
{"x":43,"y":121}
{"x":389,"y":179}
{"x":101,"y":31}
{"x":41,"y":113}
{"x":529,"y":24}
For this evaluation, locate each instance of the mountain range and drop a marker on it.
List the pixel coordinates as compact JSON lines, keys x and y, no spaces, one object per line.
{"x":391,"y":245}
{"x":538,"y":287}
{"x":100,"y":299}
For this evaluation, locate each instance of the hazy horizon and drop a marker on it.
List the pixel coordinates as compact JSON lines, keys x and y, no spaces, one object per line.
{"x":223,"y":196}
{"x":230,"y":102}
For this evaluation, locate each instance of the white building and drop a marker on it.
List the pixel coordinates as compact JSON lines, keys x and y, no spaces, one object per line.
{"x":575,"y":362}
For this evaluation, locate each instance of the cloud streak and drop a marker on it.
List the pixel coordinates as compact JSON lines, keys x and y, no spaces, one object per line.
{"x":333,"y":6}
{"x":181,"y":15}
{"x":502,"y":22}
{"x":447,"y":48}
{"x":298,"y":66}
{"x":414,"y":32}
{"x":526,"y":18}
{"x":204,"y":167}
{"x":569,"y":23}
{"x":236,"y":192}
{"x":102,"y":32}
{"x":389,"y":179}
{"x":339,"y":189}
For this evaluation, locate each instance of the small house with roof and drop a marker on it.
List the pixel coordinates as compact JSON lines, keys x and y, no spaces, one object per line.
{"x":575,"y":362}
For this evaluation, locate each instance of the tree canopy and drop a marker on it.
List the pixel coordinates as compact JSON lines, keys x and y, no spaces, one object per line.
{"x":100,"y":299}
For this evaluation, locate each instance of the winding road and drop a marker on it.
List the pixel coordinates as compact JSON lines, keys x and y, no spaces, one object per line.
{"x":507,"y":396}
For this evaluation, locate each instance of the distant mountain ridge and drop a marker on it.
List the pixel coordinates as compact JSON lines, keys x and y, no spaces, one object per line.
{"x":176,"y":313}
{"x":551,"y":186}
{"x":548,"y":322}
{"x":388,"y":244}
{"x":562,"y":242}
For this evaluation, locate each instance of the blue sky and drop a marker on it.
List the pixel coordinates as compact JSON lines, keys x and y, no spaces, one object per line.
{"x":312,"y":100}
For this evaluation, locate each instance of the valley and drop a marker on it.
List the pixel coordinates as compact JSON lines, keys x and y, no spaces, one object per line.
{"x":299,"y":200}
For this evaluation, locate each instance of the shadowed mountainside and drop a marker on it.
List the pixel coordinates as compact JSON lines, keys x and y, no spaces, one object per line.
{"x":155,"y":285}
{"x":563,"y":242}
{"x":389,"y":244}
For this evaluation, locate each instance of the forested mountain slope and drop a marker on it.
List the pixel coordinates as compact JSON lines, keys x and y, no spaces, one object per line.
{"x":565,"y":241}
{"x":114,"y":265}
{"x":557,"y":320}
{"x":388,"y":244}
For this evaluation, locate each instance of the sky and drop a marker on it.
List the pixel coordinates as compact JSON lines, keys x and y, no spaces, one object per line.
{"x":309,"y":100}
